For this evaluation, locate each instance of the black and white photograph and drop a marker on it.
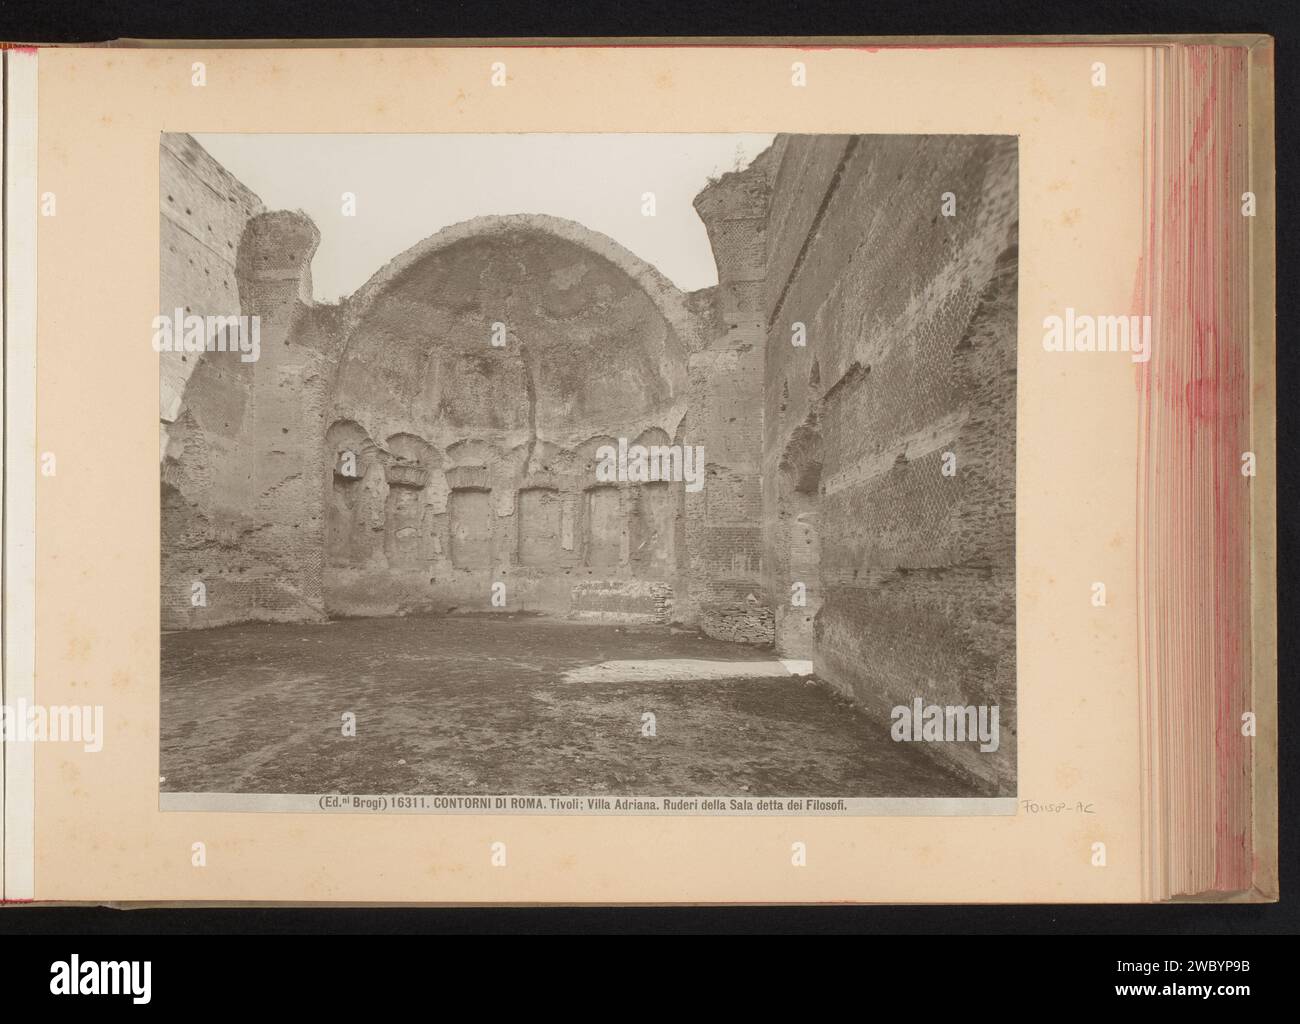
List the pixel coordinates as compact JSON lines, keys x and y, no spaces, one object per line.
{"x":588,"y":474}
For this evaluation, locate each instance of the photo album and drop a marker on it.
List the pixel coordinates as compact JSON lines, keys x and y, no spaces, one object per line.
{"x":569,"y":472}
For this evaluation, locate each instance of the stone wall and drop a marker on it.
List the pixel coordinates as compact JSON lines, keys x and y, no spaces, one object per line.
{"x":205,"y":404}
{"x":908,"y":365}
{"x":241,"y":512}
{"x":428,"y":444}
{"x":478,"y":376}
{"x":724,"y":521}
{"x":203,"y":209}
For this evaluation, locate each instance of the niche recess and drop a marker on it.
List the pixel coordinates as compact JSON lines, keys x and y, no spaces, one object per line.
{"x":539,"y":526}
{"x":351,"y":504}
{"x":470,"y":512}
{"x":602,"y":527}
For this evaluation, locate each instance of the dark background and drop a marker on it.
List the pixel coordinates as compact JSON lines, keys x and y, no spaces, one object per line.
{"x":51,"y":21}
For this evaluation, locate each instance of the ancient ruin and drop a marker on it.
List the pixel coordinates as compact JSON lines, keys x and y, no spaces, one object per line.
{"x":429,"y":444}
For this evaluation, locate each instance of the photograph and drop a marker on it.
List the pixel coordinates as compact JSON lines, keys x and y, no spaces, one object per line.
{"x":588,"y":473}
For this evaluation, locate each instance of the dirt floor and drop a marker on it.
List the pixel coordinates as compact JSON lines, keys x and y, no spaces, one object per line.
{"x":479,"y":705}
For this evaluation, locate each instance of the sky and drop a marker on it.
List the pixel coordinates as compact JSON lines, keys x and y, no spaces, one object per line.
{"x":409,"y":186}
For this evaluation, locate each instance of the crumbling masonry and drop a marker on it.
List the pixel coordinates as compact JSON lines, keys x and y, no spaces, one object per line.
{"x":851,"y":378}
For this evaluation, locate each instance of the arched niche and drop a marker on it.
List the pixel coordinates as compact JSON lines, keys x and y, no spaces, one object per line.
{"x":514,"y":329}
{"x":354,"y":495}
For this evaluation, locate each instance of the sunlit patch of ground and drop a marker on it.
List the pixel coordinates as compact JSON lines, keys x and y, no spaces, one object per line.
{"x":512,"y":705}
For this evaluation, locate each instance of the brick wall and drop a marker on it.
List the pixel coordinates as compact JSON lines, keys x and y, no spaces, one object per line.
{"x":910,"y":353}
{"x":203,"y":210}
{"x":204,"y":460}
{"x":724,"y":521}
